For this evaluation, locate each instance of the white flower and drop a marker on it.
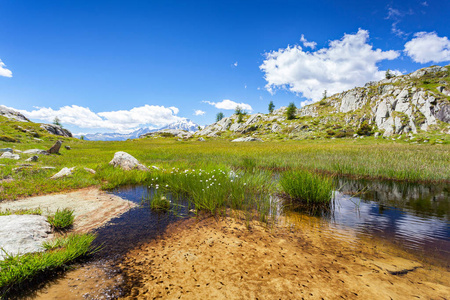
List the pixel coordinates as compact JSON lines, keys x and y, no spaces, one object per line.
{"x":245,"y":183}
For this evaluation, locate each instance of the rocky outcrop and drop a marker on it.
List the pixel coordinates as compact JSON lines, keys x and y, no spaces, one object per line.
{"x":56,"y":130}
{"x":169,"y":133}
{"x":12,"y":114}
{"x":247,"y":139}
{"x":20,"y":234}
{"x":126,"y":162}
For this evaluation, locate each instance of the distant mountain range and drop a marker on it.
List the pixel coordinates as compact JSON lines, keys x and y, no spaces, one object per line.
{"x":184,"y":124}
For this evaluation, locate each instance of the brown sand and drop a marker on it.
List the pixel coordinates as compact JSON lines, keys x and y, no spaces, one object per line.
{"x":222,"y":259}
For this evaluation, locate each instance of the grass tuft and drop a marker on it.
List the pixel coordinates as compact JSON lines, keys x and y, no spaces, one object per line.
{"x":307,"y":187}
{"x":62,"y":219}
{"x":33,"y":211}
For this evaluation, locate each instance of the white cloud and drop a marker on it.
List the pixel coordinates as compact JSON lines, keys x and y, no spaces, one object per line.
{"x":305,"y":42}
{"x":346,"y":63}
{"x":121,"y":121}
{"x":229,"y":105}
{"x":428,"y":47}
{"x":425,"y":3}
{"x":199,"y":112}
{"x":396,"y":16}
{"x":4,"y":71}
{"x":235,"y":64}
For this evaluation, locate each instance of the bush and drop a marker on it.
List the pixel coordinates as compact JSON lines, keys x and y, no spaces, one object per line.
{"x":307,"y":187}
{"x":364,"y":129}
{"x":8,"y":138}
{"x":62,"y":219}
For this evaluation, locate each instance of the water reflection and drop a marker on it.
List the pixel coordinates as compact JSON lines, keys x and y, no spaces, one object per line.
{"x":413,"y":216}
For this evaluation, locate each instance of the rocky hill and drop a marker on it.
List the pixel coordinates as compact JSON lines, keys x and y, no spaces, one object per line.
{"x":409,"y":104}
{"x":15,"y":127}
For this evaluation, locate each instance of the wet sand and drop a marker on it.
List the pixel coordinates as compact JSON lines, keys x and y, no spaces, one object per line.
{"x":209,"y":258}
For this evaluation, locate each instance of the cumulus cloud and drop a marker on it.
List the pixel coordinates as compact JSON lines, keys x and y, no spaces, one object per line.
{"x":428,"y":47}
{"x":4,"y":71}
{"x":121,"y":121}
{"x":199,"y":112}
{"x":305,"y":42}
{"x":346,"y":63}
{"x":229,"y":105}
{"x":235,"y":64}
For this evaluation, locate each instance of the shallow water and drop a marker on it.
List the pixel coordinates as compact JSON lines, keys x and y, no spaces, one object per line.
{"x":414,"y":217}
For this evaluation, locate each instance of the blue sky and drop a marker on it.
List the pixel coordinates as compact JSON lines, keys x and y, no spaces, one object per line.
{"x":105,"y":66}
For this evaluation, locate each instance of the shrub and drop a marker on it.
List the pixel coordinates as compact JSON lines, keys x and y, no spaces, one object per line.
{"x":307,"y":187}
{"x":62,"y":219}
{"x":364,"y":129}
{"x":8,"y":138}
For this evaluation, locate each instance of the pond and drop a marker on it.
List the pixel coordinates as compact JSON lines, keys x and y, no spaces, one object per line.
{"x":412,"y":216}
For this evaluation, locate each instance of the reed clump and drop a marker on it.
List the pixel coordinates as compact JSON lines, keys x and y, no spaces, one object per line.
{"x":307,"y":187}
{"x":62,"y":219}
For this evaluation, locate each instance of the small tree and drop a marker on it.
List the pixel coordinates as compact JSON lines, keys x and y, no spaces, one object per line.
{"x":324,"y":95}
{"x":271,"y":107}
{"x":240,"y":113}
{"x":291,"y":111}
{"x":388,"y":74}
{"x":57,"y":122}
{"x":219,"y":116}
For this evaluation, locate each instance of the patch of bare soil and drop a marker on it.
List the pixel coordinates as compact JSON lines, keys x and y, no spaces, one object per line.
{"x":92,"y":207}
{"x":223,"y":259}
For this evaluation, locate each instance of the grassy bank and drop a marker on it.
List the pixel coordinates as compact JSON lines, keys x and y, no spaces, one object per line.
{"x":370,"y":158}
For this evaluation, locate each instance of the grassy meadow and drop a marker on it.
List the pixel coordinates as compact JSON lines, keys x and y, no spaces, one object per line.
{"x":369,"y":158}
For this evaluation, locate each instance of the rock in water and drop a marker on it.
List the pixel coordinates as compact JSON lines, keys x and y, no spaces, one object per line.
{"x":63,"y":173}
{"x":55,"y":148}
{"x":20,"y":234}
{"x":9,"y":155}
{"x":126,"y":162}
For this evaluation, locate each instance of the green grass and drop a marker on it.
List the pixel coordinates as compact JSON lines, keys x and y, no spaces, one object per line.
{"x":307,"y":187}
{"x":34,"y":211}
{"x":16,"y":270}
{"x":62,"y":219}
{"x":368,"y":158}
{"x":159,"y":202}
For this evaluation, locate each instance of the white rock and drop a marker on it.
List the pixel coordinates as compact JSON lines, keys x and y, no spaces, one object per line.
{"x":126,"y":162}
{"x":247,"y":139}
{"x":20,"y":234}
{"x":9,"y":155}
{"x":36,"y":152}
{"x":63,"y":173}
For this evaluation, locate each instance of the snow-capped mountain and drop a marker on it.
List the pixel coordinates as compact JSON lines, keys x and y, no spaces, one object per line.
{"x":184,"y":124}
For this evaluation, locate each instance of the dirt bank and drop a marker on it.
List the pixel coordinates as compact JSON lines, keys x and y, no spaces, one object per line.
{"x":222,"y":259}
{"x":92,"y":207}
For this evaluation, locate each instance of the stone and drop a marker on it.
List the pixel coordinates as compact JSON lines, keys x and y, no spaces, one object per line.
{"x":247,"y":139}
{"x":9,"y":155}
{"x":126,"y":162}
{"x":67,"y":147}
{"x":6,"y":150}
{"x":90,"y":170}
{"x":34,"y":158}
{"x":36,"y":152}
{"x":55,"y":148}
{"x":201,"y":139}
{"x":63,"y":173}
{"x":20,"y":234}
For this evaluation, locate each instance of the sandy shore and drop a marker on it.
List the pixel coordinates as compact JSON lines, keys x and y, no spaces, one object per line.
{"x":222,"y":259}
{"x":92,"y":207}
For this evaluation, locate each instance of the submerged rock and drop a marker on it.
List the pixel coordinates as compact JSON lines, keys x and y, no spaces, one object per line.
{"x":20,"y":234}
{"x":126,"y":162}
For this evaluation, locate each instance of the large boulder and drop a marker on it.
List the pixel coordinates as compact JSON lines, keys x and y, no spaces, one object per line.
{"x":126,"y":162}
{"x":35,"y":152}
{"x":20,"y":234}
